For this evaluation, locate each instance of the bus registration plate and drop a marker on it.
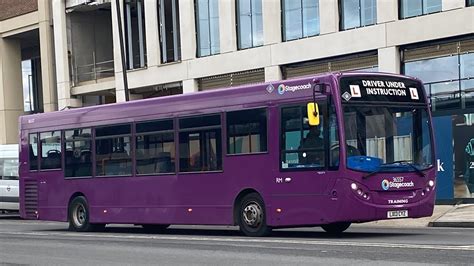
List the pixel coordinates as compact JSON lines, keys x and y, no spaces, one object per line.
{"x":397,"y":214}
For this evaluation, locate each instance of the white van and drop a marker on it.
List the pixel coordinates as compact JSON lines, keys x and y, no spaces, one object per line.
{"x":9,"y":184}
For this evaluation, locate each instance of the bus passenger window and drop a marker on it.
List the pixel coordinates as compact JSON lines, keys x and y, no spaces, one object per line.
{"x":155,"y":149}
{"x":77,"y":152}
{"x":247,"y":131}
{"x":33,"y":151}
{"x":50,"y":150}
{"x":302,"y":145}
{"x":200,"y":144}
{"x":113,"y":151}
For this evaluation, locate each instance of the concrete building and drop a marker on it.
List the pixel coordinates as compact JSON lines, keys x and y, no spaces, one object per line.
{"x":181,"y":46}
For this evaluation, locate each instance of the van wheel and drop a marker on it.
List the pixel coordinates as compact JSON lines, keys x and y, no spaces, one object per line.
{"x":252,"y":216}
{"x":336,"y":228}
{"x":155,"y":228}
{"x":79,"y":216}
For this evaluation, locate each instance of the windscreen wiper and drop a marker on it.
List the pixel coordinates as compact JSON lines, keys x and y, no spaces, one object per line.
{"x":401,"y":162}
{"x":408,"y":162}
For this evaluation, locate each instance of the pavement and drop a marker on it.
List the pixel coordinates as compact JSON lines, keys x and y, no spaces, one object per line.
{"x":461,"y":215}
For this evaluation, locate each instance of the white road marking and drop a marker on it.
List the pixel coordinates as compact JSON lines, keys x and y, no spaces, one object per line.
{"x":251,"y":240}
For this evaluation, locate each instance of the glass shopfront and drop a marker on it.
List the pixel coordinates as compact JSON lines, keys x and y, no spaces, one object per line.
{"x":447,"y":70}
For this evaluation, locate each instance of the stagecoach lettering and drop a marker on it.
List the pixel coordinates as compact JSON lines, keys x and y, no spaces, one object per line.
{"x":279,"y":180}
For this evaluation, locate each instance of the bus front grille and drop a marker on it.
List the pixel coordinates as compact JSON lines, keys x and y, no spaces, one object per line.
{"x":31,"y":199}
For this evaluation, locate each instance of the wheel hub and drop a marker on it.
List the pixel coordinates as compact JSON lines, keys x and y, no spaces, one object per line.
{"x":252,"y":214}
{"x":79,"y":215}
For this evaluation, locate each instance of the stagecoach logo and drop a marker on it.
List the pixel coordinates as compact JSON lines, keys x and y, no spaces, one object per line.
{"x":270,"y":88}
{"x":346,"y":96}
{"x":282,"y":88}
{"x":397,"y":182}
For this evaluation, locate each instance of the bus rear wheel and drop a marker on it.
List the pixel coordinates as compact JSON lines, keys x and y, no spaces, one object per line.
{"x":79,"y":216}
{"x":336,"y":228}
{"x":252,"y":216}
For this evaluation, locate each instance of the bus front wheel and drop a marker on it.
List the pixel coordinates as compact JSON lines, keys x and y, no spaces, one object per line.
{"x":252,"y":216}
{"x":336,"y":228}
{"x":79,"y":216}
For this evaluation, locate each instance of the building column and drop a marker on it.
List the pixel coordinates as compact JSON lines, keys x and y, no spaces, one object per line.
{"x":11,"y":90}
{"x":187,"y":29}
{"x":389,"y":60}
{"x":62,"y":57}
{"x":119,"y":86}
{"x":271,"y":10}
{"x":452,"y":4}
{"x":273,"y":73}
{"x":227,"y":28}
{"x":50,"y":96}
{"x":152,"y":33}
{"x":387,"y":11}
{"x":190,"y":85}
{"x":329,"y":17}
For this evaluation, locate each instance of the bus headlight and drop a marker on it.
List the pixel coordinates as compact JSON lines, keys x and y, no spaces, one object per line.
{"x":431,"y":183}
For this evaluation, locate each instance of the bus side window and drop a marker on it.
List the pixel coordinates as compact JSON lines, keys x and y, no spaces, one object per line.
{"x":247,"y":131}
{"x":200,"y":143}
{"x":113,"y":150}
{"x":77,"y":152}
{"x":33,"y":151}
{"x":302,"y":145}
{"x":155,"y":149}
{"x":50,"y":150}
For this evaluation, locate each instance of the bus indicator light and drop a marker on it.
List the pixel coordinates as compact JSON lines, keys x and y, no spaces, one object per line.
{"x":278,"y":210}
{"x":354,"y":186}
{"x":190,"y":210}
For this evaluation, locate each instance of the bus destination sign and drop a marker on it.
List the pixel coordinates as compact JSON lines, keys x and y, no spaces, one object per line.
{"x":380,"y":89}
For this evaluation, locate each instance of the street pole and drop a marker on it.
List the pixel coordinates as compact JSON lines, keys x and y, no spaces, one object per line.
{"x":122,"y":53}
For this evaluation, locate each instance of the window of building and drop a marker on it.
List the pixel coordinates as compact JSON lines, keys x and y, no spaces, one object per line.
{"x":200,"y":143}
{"x":302,"y":145}
{"x":33,"y":151}
{"x":247,"y":131}
{"x":113,"y":150}
{"x":469,"y":2}
{"x":32,"y":85}
{"x":300,"y":19}
{"x":155,"y":150}
{"x":413,"y":8}
{"x":50,"y":150}
{"x":78,"y":152}
{"x":358,"y":13}
{"x":135,"y":38}
{"x":446,"y":70}
{"x":207,"y":24}
{"x":168,"y":15}
{"x":249,"y":23}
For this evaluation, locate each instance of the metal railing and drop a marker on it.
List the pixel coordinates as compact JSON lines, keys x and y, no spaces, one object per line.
{"x":92,"y":72}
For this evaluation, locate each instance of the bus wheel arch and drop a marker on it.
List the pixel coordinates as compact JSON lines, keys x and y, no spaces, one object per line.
{"x":79,"y":214}
{"x":250,"y":213}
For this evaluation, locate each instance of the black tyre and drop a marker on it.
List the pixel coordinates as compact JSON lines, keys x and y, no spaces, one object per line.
{"x":252,"y":216}
{"x":155,"y":228}
{"x":336,"y":228}
{"x":79,"y":216}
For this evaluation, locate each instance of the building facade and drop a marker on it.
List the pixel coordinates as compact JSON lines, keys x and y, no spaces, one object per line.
{"x":182,"y":46}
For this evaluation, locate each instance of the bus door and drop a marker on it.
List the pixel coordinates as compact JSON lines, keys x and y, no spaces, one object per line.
{"x":309,"y":157}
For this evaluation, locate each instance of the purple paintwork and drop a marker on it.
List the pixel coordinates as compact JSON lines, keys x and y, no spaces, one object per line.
{"x":311,"y":198}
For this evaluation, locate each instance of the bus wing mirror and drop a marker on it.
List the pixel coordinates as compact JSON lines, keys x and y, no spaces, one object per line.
{"x":313,"y":114}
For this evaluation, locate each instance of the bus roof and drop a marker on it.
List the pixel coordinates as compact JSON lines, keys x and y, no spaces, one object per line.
{"x":247,"y":96}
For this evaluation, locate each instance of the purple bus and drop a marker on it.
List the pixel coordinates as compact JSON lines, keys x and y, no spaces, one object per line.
{"x":327,"y":151}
